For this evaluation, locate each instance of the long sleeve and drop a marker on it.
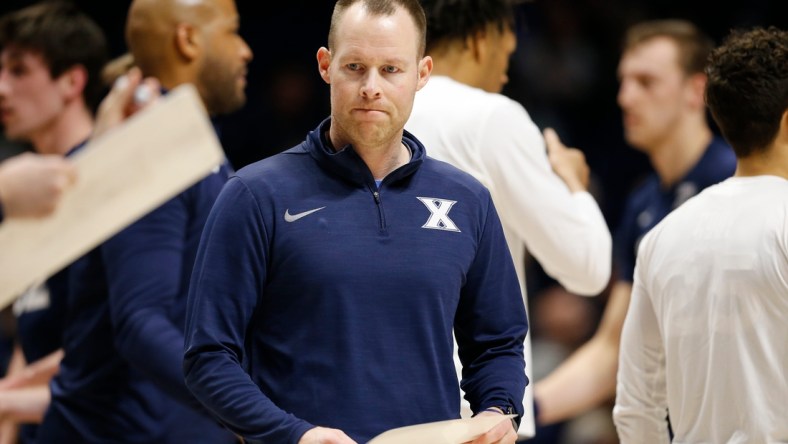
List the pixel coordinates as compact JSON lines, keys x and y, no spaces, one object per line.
{"x":566,"y":232}
{"x":641,"y":400}
{"x":227,"y":282}
{"x":144,"y":265}
{"x":490,"y":325}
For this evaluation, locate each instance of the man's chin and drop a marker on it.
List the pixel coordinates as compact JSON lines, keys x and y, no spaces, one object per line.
{"x":14,"y":135}
{"x":637,"y":144}
{"x":230,"y":107}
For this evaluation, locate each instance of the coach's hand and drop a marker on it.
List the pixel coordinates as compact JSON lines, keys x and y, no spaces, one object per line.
{"x":323,"y":435}
{"x":503,"y":433}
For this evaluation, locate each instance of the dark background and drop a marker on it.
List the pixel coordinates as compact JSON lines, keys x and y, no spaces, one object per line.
{"x":563,"y":72}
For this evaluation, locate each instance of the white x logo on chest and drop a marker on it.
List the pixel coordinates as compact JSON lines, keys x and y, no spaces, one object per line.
{"x":439,"y":214}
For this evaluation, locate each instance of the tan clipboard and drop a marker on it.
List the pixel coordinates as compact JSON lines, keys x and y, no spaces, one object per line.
{"x":122,"y":175}
{"x":453,"y":431}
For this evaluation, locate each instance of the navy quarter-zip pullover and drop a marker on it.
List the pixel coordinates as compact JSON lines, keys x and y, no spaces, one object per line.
{"x":319,"y":299}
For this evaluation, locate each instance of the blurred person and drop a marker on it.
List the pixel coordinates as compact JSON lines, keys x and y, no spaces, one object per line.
{"x":31,"y":185}
{"x":540,"y":191}
{"x":661,"y":97}
{"x":24,"y":390}
{"x":121,"y":379}
{"x":704,"y":337}
{"x":330,"y":277}
{"x":50,"y":58}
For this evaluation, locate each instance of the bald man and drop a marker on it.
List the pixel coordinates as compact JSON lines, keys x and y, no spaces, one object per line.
{"x":191,"y":41}
{"x":121,"y":379}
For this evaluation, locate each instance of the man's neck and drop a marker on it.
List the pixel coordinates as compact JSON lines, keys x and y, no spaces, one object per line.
{"x":380,"y":159}
{"x":677,"y":154}
{"x":772,"y":162}
{"x":71,"y":127}
{"x":383,"y":162}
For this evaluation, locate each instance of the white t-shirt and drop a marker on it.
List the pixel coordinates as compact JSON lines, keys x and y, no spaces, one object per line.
{"x":706,"y":334}
{"x":494,"y":139}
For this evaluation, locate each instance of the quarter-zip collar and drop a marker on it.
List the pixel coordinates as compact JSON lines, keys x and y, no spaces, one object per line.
{"x":347,"y":164}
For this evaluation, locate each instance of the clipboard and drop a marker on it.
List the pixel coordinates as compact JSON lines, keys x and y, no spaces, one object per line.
{"x":453,"y":431}
{"x":122,"y":175}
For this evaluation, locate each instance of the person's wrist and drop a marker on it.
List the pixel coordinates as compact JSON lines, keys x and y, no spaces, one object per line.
{"x":504,"y":410}
{"x":575,"y":184}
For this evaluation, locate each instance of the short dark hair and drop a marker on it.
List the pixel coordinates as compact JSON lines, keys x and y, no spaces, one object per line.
{"x":747,"y":88}
{"x":64,"y":36}
{"x":384,"y":8}
{"x":449,"y":20}
{"x":693,"y":45}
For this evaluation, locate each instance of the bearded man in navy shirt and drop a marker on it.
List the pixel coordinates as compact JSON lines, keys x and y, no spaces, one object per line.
{"x":121,"y":379}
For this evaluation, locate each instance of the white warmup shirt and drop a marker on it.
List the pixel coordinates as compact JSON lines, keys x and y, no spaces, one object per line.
{"x":706,"y":334}
{"x":492,"y":137}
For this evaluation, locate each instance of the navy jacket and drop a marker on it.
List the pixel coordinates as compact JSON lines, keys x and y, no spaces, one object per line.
{"x":651,"y":202}
{"x":318,"y":299}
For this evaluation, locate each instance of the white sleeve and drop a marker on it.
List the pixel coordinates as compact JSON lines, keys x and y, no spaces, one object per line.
{"x":640,"y":413}
{"x":566,"y":232}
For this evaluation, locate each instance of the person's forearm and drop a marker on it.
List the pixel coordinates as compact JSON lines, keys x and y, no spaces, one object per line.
{"x":565,"y":232}
{"x":9,"y":431}
{"x":223,"y":387}
{"x":588,"y":377}
{"x":25,"y":404}
{"x":581,"y":383}
{"x":151,"y":343}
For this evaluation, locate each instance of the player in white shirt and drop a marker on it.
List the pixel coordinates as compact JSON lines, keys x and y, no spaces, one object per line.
{"x":663,"y":114}
{"x":704,"y":340}
{"x":541,"y":194}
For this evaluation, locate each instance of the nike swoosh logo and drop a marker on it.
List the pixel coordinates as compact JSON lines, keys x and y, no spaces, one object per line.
{"x":294,"y":217}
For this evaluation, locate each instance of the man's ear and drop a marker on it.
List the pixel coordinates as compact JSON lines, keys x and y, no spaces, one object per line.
{"x":476,"y":44}
{"x":72,"y":82}
{"x":187,"y":41}
{"x":696,"y":85}
{"x":425,"y":68}
{"x":323,"y":63}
